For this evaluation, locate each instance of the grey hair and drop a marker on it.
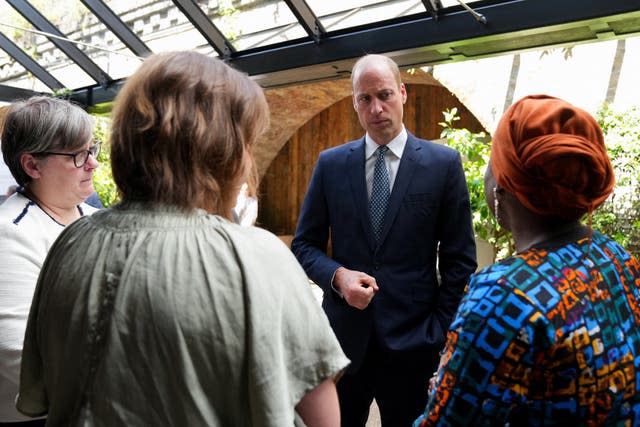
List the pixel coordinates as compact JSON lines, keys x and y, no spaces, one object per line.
{"x":41,"y":124}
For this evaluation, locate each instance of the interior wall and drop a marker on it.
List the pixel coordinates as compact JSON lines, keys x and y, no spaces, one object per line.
{"x":285,"y":181}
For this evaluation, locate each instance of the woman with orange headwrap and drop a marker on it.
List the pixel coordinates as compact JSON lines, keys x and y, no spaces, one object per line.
{"x":550,"y":336}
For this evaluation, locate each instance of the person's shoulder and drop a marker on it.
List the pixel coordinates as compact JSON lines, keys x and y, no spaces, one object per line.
{"x":602,"y":239}
{"x":258,"y":243}
{"x":255,"y":237}
{"x":12,"y":208}
{"x":494,"y":273}
{"x":613,"y":247}
{"x":94,"y":200}
{"x":88,"y":209}
{"x":18,"y":226}
{"x":432,"y":148}
{"x":8,"y":213}
{"x":341,"y":149}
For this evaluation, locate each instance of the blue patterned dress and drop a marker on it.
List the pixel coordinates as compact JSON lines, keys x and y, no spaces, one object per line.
{"x":550,"y":336}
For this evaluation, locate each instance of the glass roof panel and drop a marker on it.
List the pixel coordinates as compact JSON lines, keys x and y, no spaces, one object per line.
{"x":14,"y":74}
{"x":337,"y":15}
{"x":160,"y":25}
{"x":17,"y":29}
{"x":92,"y":37}
{"x":449,"y":3}
{"x":71,"y":75}
{"x":246,"y":24}
{"x":255,"y":23}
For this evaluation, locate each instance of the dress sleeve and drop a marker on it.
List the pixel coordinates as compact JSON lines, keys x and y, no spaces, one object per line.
{"x":291,"y":347}
{"x":488,"y":360}
{"x":311,"y":237}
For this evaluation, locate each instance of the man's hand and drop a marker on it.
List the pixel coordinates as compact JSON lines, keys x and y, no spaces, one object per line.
{"x":356,"y":287}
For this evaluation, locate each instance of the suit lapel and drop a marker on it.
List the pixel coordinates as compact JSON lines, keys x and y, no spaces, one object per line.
{"x":406,"y":169}
{"x":355,"y":169}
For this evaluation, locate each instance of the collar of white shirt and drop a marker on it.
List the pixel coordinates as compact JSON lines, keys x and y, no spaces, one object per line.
{"x":396,"y":145}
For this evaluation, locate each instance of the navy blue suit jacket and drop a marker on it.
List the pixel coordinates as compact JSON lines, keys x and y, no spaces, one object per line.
{"x":422,"y":262}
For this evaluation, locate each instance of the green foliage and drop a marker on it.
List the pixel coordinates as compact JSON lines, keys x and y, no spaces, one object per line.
{"x":475,"y":149}
{"x":102,"y":179}
{"x":229,"y":15}
{"x":63,"y":93}
{"x":618,"y":217}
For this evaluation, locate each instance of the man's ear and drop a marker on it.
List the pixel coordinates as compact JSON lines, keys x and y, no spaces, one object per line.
{"x":30,"y":165}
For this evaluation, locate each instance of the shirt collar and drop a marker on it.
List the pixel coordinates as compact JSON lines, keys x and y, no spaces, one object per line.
{"x":396,"y":145}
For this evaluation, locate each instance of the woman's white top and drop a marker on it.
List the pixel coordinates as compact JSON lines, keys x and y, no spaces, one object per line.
{"x":26,"y":234}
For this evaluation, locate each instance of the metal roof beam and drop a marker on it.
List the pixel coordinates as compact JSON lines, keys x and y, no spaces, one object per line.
{"x":28,"y":63}
{"x":307,"y":19}
{"x":203,"y":24}
{"x":432,"y":6}
{"x":92,"y":95}
{"x":11,"y":93}
{"x":69,"y":49}
{"x":119,"y":28}
{"x":507,"y":20}
{"x":420,"y":40}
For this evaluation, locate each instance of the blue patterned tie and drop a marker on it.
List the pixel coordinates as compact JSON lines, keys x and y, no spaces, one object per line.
{"x":379,"y":193}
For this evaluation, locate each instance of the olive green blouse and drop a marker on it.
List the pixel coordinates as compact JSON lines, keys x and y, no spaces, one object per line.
{"x":146,"y":315}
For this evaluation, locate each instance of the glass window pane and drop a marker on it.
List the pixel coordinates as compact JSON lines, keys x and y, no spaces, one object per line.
{"x":341,"y":14}
{"x":337,"y":15}
{"x":163,"y":27}
{"x":449,"y":3}
{"x":254,"y":23}
{"x":40,"y":48}
{"x":92,"y":37}
{"x":14,"y":74}
{"x":160,"y":24}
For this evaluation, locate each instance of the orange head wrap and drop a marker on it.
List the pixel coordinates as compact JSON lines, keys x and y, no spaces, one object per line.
{"x":551,"y":156}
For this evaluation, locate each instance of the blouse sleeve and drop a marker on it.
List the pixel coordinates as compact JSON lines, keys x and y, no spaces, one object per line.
{"x":290,"y":344}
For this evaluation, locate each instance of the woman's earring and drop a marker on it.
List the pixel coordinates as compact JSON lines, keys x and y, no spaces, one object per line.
{"x":496,"y":204}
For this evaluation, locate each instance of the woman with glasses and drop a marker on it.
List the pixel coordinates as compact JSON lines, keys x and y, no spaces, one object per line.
{"x":170,"y":314}
{"x":47,"y":145}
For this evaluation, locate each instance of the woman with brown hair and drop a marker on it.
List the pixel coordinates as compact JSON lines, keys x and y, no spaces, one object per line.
{"x":161,"y":311}
{"x":551,"y":335}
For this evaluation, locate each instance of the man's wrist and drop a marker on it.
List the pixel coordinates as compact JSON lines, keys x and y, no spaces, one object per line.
{"x":333,"y":286}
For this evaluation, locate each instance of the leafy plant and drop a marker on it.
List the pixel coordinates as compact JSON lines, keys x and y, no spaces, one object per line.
{"x":229,"y":16}
{"x":619,"y":216}
{"x":102,"y":178}
{"x":63,"y":93}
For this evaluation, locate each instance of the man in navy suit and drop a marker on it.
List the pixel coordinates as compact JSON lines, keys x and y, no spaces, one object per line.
{"x":390,"y":291}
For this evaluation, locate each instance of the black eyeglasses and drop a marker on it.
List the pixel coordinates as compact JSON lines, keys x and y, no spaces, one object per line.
{"x":79,"y":158}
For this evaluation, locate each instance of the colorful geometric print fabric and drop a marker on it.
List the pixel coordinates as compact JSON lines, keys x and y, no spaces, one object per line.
{"x":547,"y":337}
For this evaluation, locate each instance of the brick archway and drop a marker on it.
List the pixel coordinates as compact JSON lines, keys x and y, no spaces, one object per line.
{"x":307,"y":119}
